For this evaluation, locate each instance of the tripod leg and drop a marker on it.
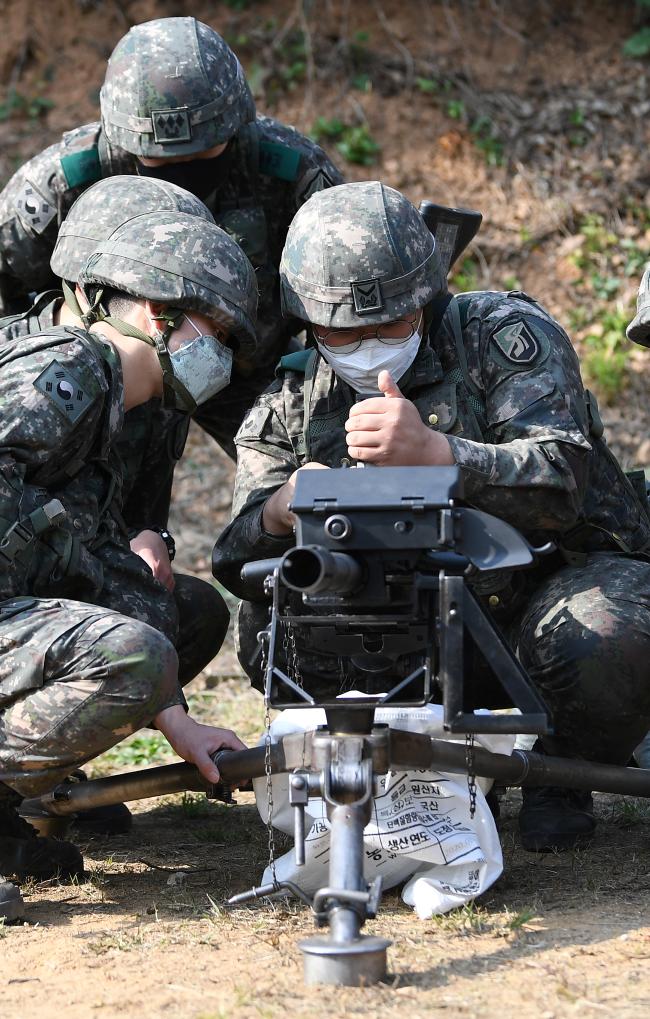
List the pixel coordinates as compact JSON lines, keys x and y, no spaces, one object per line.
{"x":346,"y":957}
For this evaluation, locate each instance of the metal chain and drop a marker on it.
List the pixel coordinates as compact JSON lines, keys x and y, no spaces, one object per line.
{"x":269,"y":777}
{"x":471,"y":775}
{"x":291,"y":654}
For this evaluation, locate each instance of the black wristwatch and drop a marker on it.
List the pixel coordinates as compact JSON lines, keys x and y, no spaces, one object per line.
{"x":167,"y":538}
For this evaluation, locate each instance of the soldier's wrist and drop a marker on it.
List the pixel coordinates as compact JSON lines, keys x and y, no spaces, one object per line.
{"x":275,"y":521}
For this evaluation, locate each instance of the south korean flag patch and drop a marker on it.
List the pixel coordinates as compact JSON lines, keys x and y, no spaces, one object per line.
{"x":34,"y":210}
{"x":520,"y":344}
{"x":65,"y":391}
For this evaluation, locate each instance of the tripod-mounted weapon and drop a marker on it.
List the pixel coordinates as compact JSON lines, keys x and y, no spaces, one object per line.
{"x":381,"y":575}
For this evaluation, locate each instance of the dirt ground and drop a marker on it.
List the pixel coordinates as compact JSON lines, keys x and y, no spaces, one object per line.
{"x":530,"y":113}
{"x":148,"y":934}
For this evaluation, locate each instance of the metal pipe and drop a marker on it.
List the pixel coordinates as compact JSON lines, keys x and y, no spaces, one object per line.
{"x":527,"y":768}
{"x":407,"y":749}
{"x":347,"y":822}
{"x":234,"y":766}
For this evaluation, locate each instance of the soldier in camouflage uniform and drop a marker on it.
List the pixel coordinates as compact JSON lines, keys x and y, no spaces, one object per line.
{"x":175,"y":105}
{"x":153,"y":437}
{"x":488,"y":381}
{"x":639,"y":332}
{"x":77,"y":676}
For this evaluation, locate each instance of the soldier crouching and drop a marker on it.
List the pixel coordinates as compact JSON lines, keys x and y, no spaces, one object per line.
{"x":486,"y":381}
{"x":172,"y":297}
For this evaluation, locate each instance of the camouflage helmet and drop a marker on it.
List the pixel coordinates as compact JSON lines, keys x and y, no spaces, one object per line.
{"x":639,"y":328}
{"x":108,"y":204}
{"x":185,"y":262}
{"x":173,"y":87}
{"x":358,"y":254}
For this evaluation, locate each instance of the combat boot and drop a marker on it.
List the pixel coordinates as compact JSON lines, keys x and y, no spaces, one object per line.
{"x":25,"y":854}
{"x":552,"y":819}
{"x":12,"y":906}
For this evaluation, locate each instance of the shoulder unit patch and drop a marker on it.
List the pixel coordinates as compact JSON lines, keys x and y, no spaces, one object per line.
{"x":254,"y":422}
{"x":311,"y":182}
{"x":81,"y":168}
{"x":65,"y":391}
{"x":520,"y":343}
{"x":279,"y":161}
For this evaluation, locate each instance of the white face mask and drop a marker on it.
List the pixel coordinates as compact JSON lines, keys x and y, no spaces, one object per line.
{"x":203,"y":366}
{"x":361,"y":368}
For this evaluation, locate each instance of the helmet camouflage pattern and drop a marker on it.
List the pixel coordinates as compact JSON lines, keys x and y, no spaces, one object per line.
{"x":173,"y":87}
{"x":182,"y":261}
{"x":108,"y":204}
{"x":639,"y":328}
{"x":356,"y":254}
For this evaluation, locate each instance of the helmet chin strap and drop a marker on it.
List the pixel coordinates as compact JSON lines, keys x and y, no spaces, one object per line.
{"x":87,"y":317}
{"x":173,"y":388}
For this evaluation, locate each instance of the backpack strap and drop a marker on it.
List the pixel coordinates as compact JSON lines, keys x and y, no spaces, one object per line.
{"x":460,"y":372}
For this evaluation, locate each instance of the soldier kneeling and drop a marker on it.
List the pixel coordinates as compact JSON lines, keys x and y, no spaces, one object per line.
{"x":175,"y":297}
{"x":491,"y":383}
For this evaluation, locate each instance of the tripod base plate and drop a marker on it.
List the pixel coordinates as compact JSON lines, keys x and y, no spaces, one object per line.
{"x":357,"y":963}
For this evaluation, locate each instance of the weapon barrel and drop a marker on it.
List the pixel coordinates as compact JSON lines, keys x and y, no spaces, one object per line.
{"x":255,"y":573}
{"x":314,"y":570}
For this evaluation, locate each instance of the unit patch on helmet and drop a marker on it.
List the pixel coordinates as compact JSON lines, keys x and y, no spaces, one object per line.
{"x":35,"y":211}
{"x":367,"y":296}
{"x":64,"y":390}
{"x":521,"y":343}
{"x":171,"y":125}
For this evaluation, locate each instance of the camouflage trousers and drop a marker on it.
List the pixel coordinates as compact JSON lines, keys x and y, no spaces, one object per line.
{"x":75,"y":679}
{"x":203,"y":619}
{"x":582,"y":634}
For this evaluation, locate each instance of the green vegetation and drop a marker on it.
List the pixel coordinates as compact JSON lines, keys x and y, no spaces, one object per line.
{"x":465,"y":276}
{"x":354,"y":142}
{"x":607,"y":264}
{"x":485,"y":138}
{"x":578,"y":137}
{"x":482,"y":129}
{"x":468,"y":919}
{"x":427,"y":85}
{"x":144,"y":748}
{"x":456,"y":109}
{"x":630,"y":812}
{"x":638,"y":45}
{"x":18,"y":105}
{"x":520,"y":919}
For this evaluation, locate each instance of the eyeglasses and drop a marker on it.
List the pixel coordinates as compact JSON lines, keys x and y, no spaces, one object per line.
{"x":346,"y":341}
{"x":175,"y":344}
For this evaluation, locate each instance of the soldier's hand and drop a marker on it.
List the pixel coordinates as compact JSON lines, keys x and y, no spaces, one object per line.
{"x":195,"y":742}
{"x":277,"y":518}
{"x":150,"y":546}
{"x":389,"y":431}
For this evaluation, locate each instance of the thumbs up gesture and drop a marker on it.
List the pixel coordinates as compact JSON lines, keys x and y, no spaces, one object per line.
{"x":388,"y":431}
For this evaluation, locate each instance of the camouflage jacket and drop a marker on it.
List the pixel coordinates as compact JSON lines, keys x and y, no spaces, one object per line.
{"x":151,"y":441}
{"x":61,"y":407}
{"x":273,"y":170}
{"x":501,"y":379}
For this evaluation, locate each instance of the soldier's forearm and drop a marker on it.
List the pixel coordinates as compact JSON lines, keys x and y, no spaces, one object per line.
{"x":243,"y":541}
{"x":534,"y":485}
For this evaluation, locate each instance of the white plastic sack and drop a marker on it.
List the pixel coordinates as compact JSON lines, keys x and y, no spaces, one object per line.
{"x":420,"y":828}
